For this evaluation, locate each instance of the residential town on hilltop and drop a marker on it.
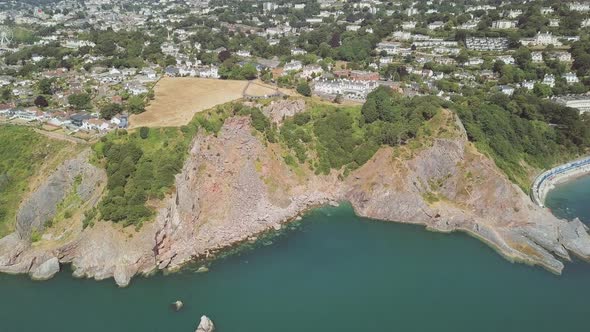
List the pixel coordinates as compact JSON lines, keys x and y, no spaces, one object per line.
{"x":85,"y":66}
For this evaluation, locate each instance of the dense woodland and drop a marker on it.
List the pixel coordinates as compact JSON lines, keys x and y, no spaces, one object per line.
{"x":524,"y":128}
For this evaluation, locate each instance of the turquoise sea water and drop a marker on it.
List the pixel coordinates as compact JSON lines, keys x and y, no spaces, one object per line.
{"x":334,"y":272}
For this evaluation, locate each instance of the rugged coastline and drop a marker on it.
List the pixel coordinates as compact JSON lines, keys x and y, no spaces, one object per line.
{"x":233,"y":187}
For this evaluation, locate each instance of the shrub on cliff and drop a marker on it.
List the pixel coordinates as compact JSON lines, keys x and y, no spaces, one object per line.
{"x":139,"y":168}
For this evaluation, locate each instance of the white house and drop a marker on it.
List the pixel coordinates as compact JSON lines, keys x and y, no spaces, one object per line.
{"x":562,"y":56}
{"x":474,"y":62}
{"x":244,"y":53}
{"x":436,"y":25}
{"x":351,"y":89}
{"x":579,"y":7}
{"x":149,"y":73}
{"x":507,"y":59}
{"x":514,"y":13}
{"x":37,"y":57}
{"x":571,"y":78}
{"x":135,"y":88}
{"x":353,"y":27}
{"x":388,"y":47}
{"x":310,"y":71}
{"x":409,"y":25}
{"x":95,"y":124}
{"x":537,"y":57}
{"x":294,"y":65}
{"x":503,"y":24}
{"x":208,"y":72}
{"x":542,"y":39}
{"x":506,"y":89}
{"x":298,"y":51}
{"x":529,"y":85}
{"x":385,"y":60}
{"x":549,"y":80}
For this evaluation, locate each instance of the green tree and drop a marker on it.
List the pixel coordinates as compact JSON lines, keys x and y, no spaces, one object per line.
{"x":79,"y":101}
{"x":109,"y":110}
{"x":304,"y":89}
{"x":136,"y":104}
{"x":41,"y":101}
{"x":45,"y":86}
{"x":248,"y":71}
{"x":144,"y":132}
{"x":542,"y":90}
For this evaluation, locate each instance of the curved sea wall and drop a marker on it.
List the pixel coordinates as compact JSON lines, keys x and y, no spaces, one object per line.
{"x":548,"y":179}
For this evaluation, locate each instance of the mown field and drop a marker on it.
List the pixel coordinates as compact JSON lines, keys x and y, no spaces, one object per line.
{"x":178,"y":99}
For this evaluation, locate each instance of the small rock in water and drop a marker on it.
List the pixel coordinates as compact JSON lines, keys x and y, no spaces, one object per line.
{"x":177,"y":305}
{"x":206,"y":325}
{"x":202,"y":269}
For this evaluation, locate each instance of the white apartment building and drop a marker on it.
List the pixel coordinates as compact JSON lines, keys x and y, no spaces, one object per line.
{"x":351,"y":89}
{"x":503,"y":24}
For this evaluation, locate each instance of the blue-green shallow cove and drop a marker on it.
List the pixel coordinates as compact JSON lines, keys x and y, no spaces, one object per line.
{"x":336,"y":272}
{"x":571,"y":199}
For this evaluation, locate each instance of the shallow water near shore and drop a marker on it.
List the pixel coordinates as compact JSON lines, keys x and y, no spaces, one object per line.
{"x":334,"y":272}
{"x":571,"y":199}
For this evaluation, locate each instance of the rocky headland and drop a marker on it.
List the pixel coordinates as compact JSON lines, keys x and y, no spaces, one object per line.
{"x":234,"y":185}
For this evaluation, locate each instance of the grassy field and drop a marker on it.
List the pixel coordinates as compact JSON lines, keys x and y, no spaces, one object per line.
{"x":26,"y":157}
{"x":177,"y":100}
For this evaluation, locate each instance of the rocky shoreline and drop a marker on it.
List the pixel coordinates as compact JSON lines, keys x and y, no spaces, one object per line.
{"x":233,"y":187}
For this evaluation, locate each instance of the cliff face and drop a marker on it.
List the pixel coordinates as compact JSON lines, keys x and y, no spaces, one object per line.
{"x":21,"y":252}
{"x":233,"y":187}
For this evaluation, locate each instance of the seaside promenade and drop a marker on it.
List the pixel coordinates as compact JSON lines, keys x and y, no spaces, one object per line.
{"x":548,"y":179}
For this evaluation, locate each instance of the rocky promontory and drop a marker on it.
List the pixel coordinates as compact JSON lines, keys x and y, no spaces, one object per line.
{"x":234,"y":186}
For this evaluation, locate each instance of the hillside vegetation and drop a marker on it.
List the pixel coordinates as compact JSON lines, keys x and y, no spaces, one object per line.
{"x":23,"y":155}
{"x":520,"y":134}
{"x":140,"y":166}
{"x":327,"y":137}
{"x":331,"y":137}
{"x":523,"y":132}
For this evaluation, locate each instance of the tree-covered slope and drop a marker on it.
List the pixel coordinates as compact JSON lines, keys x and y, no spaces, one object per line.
{"x":524,"y":132}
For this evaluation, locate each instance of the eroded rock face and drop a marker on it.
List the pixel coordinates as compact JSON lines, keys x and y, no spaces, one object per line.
{"x":450,"y":187}
{"x":233,"y":187}
{"x":46,"y":270}
{"x":41,"y":260}
{"x":41,"y":205}
{"x":280,"y":109}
